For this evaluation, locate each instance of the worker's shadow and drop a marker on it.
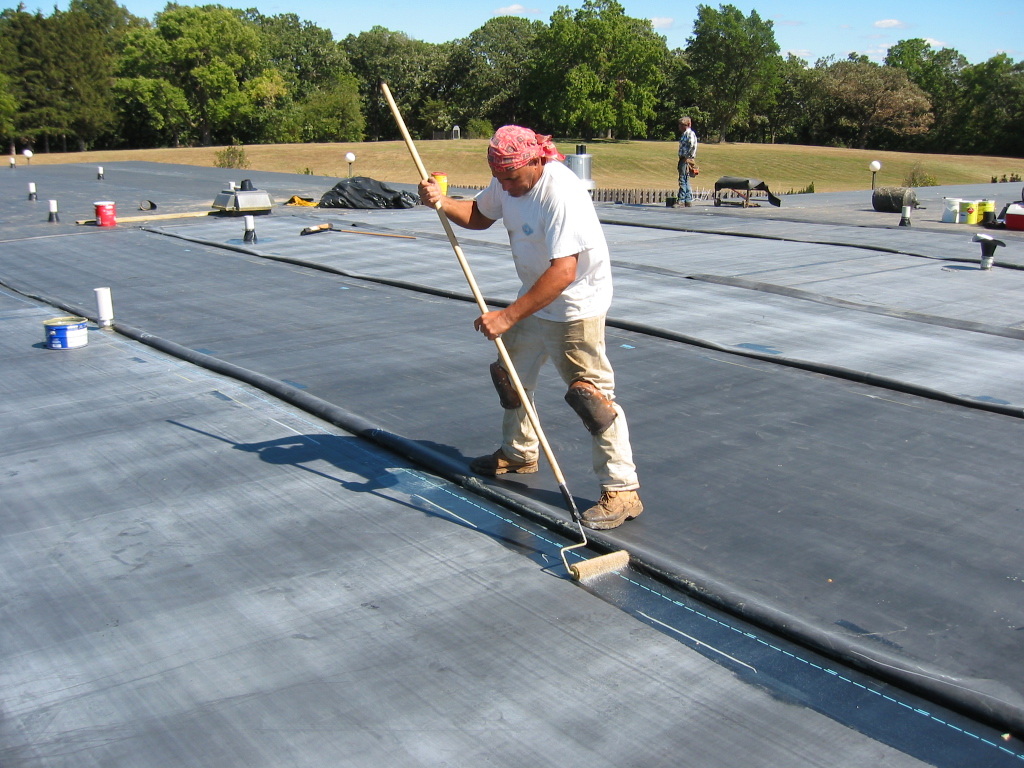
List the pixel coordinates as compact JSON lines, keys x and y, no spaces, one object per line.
{"x":302,"y":450}
{"x":350,"y":455}
{"x":347,"y":454}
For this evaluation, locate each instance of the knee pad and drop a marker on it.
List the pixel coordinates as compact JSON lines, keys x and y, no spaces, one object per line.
{"x":594,"y":409}
{"x":507,"y":394}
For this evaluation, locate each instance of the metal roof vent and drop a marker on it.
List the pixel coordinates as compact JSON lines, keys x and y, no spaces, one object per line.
{"x":580,"y":164}
{"x":246,"y":199}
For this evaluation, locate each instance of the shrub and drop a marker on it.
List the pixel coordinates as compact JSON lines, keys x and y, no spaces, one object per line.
{"x":231,"y":157}
{"x":809,"y":189}
{"x":918,"y":178}
{"x":478,"y":128}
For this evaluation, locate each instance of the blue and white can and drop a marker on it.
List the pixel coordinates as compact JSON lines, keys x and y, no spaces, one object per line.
{"x":66,"y":332}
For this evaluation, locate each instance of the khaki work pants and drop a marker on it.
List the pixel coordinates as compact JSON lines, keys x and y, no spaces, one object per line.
{"x":577,"y":349}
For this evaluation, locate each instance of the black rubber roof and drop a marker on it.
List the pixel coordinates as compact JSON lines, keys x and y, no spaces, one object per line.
{"x":241,"y":529}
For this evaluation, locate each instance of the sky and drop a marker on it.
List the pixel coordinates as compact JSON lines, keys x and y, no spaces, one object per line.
{"x":809,"y":29}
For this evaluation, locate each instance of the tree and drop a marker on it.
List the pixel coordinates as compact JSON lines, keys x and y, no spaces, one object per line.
{"x":871,"y":101}
{"x":332,"y":113}
{"x":598,"y":71}
{"x":111,"y":19}
{"x":24,"y":39}
{"x":261,"y":116}
{"x":488,"y":71}
{"x":435,"y":115}
{"x":730,"y":56}
{"x":87,"y":68}
{"x":306,"y":94}
{"x":788,"y":112}
{"x":675,"y":98}
{"x":940,"y":75}
{"x":151,"y":112}
{"x":994,"y":107}
{"x":208,"y":55}
{"x":408,"y":66}
{"x":60,"y":70}
{"x":306,"y":55}
{"x":8,"y":110}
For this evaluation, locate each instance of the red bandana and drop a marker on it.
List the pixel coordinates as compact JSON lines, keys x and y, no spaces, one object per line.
{"x":514,"y":146}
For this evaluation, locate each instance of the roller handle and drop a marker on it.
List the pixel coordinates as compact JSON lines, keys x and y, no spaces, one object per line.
{"x":424,"y":176}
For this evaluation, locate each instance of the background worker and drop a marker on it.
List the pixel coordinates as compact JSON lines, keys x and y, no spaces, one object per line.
{"x":562,"y":259}
{"x":687,"y":160}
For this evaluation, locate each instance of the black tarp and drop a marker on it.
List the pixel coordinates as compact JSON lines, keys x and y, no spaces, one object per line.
{"x":364,"y":192}
{"x":747,"y":186}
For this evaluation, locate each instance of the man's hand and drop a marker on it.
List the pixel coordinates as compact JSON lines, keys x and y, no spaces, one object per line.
{"x":430,"y":192}
{"x":559,"y":276}
{"x":493,"y":324}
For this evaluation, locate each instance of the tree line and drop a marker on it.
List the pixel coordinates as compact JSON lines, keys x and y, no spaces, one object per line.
{"x":97,"y":77}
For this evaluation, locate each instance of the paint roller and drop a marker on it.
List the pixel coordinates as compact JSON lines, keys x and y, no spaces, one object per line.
{"x":318,"y":228}
{"x":586,"y":569}
{"x":328,"y":227}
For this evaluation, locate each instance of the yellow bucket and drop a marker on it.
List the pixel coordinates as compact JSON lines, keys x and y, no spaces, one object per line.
{"x":985,"y":206}
{"x":969,"y":211}
{"x":442,"y":181}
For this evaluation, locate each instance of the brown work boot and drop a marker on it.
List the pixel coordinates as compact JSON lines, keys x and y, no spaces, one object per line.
{"x":498,"y":463}
{"x":614,"y":508}
{"x":687,"y":205}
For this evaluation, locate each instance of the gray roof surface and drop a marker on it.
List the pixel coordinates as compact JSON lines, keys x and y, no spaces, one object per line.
{"x":218,"y":570}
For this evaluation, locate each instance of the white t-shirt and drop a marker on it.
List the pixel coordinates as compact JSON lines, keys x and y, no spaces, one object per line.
{"x":555,"y":219}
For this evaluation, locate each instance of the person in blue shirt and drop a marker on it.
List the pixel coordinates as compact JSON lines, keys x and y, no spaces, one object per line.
{"x":687,"y":160}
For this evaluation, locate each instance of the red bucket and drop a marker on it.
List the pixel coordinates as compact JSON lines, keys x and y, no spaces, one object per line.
{"x":106,"y":214}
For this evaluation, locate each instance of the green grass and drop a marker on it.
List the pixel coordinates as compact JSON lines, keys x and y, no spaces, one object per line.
{"x":616,"y":165}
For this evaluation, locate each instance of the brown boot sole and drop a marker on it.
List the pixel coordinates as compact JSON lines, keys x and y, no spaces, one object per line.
{"x":492,"y":471}
{"x":525,"y":469}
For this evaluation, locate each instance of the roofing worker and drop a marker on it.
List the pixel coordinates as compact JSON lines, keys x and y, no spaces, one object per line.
{"x":687,"y":160}
{"x":562,"y":259}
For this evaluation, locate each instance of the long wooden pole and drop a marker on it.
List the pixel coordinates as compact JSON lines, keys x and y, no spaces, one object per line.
{"x":502,"y":351}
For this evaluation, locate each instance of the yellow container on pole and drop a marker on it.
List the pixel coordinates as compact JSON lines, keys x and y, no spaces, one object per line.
{"x":442,"y":181}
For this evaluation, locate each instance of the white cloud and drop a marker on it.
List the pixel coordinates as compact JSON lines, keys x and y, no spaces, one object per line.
{"x":800,"y":53}
{"x":787,"y":23}
{"x":935,"y":43}
{"x":890,"y":24}
{"x":516,"y":10}
{"x":662,"y":22}
{"x":877,"y":52}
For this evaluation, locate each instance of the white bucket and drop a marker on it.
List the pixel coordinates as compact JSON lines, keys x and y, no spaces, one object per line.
{"x":951,"y":210}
